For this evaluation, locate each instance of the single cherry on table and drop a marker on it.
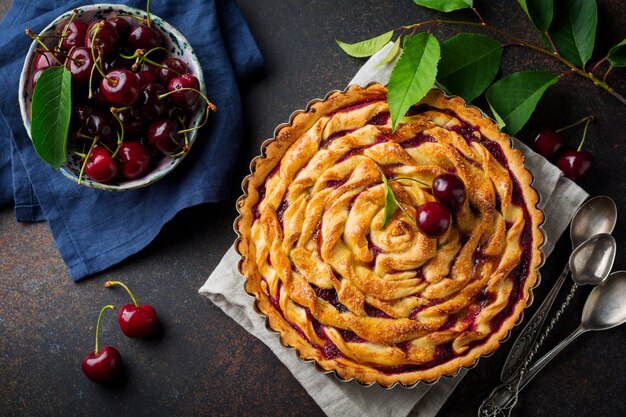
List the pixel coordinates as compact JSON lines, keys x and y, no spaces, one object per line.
{"x":135,"y":320}
{"x":102,"y":365}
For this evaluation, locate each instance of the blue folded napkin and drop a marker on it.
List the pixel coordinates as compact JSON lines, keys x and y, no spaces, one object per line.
{"x":96,"y":229}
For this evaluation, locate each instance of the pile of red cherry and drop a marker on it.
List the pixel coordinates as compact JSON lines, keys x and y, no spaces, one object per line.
{"x":132,"y":101}
{"x":433,"y":218}
{"x":574,"y":163}
{"x":104,"y":364}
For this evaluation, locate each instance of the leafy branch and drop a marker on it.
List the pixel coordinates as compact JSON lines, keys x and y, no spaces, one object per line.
{"x":467,"y":64}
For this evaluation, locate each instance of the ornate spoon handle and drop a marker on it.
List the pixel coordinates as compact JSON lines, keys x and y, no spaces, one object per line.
{"x":525,"y":341}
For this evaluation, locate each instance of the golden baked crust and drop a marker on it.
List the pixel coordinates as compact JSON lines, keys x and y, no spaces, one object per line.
{"x":388,"y":305}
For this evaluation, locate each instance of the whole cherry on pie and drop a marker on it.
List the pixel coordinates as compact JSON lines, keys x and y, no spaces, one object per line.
{"x":433,"y":219}
{"x":449,"y":189}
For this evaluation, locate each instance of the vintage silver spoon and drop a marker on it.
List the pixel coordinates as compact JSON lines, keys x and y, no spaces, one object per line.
{"x":596,"y":215}
{"x":604,"y":309}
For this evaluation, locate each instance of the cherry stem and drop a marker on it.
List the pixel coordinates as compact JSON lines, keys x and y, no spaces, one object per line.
{"x":210,"y":107}
{"x":410,"y":179}
{"x":120,"y":136}
{"x":600,"y":62}
{"x":606,"y":74}
{"x":67,"y":25}
{"x":121,"y":284}
{"x":37,"y":38}
{"x":580,"y":146}
{"x":112,"y":307}
{"x":148,"y":19}
{"x":576,"y":123}
{"x":82,"y":168}
{"x":478,"y":15}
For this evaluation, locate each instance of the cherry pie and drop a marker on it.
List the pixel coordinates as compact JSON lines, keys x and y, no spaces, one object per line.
{"x":388,"y":304}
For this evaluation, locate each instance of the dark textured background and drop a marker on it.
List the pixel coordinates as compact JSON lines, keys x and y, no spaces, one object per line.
{"x":203,"y":363}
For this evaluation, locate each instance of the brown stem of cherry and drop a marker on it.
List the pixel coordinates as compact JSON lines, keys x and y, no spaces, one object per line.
{"x":588,"y":75}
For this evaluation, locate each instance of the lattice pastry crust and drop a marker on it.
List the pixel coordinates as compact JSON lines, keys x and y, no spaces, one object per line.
{"x":388,"y":305}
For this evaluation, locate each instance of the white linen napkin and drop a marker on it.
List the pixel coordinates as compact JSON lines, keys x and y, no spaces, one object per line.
{"x":225,"y":288}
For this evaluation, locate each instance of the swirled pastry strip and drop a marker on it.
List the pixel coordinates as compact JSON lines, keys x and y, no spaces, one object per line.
{"x":388,"y":304}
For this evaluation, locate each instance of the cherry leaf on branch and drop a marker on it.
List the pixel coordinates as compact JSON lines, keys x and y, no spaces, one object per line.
{"x":573,"y":29}
{"x":469,"y":64}
{"x":392,"y":53}
{"x":51,"y":111}
{"x":539,"y":12}
{"x":446,"y":5}
{"x":617,"y":55}
{"x":367,"y":47}
{"x":413,"y":75}
{"x":514,"y":98}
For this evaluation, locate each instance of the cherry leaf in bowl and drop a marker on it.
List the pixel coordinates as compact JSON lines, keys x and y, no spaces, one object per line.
{"x":51,"y":111}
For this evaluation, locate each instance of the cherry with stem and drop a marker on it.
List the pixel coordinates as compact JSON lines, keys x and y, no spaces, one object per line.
{"x":103,"y":365}
{"x":135,"y":320}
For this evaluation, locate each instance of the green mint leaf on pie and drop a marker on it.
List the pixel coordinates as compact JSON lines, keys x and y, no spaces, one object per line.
{"x":617,"y":55}
{"x":51,"y":111}
{"x":391,"y":204}
{"x":413,"y":75}
{"x":392,"y":53}
{"x":367,"y":47}
{"x":446,"y":5}
{"x":514,"y":98}
{"x":469,"y":64}
{"x":539,"y":12}
{"x":573,"y":29}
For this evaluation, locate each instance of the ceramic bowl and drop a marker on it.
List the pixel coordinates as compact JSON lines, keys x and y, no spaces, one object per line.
{"x":174,"y":42}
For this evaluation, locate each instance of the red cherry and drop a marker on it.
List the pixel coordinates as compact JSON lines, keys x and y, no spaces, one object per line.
{"x":105,"y":366}
{"x":163,"y":135}
{"x":135,"y":320}
{"x":45,"y":60}
{"x":145,"y":78}
{"x":433,"y":219}
{"x":100,"y":166}
{"x":105,"y":36}
{"x":120,"y":87}
{"x":449,"y":190}
{"x":172,"y":67}
{"x":80,"y":63}
{"x":74,"y":35}
{"x":102,"y":365}
{"x":150,"y":105}
{"x":575,"y":164}
{"x":121,"y":26}
{"x":134,"y":162}
{"x":184,"y":98}
{"x":144,"y":37}
{"x":547,"y":142}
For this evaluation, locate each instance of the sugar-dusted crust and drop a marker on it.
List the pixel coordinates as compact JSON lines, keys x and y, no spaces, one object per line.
{"x":388,"y":305}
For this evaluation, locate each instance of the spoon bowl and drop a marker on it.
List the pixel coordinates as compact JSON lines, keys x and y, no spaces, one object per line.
{"x":605,"y":307}
{"x":596,"y":215}
{"x":591,"y":262}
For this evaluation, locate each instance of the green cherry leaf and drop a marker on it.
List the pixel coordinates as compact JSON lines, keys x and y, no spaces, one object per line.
{"x":51,"y":111}
{"x":573,"y":29}
{"x":514,"y":98}
{"x":392,"y":53}
{"x":617,"y":55}
{"x":413,"y":75}
{"x":539,"y":12}
{"x":391,"y":204}
{"x":469,"y":64}
{"x":446,"y":5}
{"x":367,"y":47}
